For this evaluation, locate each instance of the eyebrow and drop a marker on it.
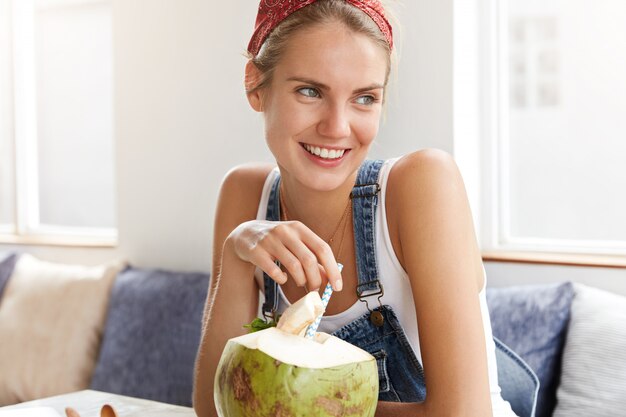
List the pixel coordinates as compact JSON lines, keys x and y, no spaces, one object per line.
{"x":325,"y":87}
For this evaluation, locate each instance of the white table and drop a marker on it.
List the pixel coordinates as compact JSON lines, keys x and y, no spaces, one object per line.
{"x":88,"y":403}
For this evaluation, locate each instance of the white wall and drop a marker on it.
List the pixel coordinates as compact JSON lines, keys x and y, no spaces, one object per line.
{"x":503,"y":274}
{"x":182,"y":120}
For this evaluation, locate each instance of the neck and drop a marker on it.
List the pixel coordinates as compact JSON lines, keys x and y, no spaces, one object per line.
{"x":319,"y":210}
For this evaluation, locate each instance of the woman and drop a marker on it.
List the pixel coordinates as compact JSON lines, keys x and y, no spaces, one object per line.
{"x":317,"y":72}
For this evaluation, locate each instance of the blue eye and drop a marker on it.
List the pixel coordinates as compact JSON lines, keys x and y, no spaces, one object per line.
{"x":366,"y":100}
{"x":309,"y":92}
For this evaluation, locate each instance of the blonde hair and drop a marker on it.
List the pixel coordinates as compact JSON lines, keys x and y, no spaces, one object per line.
{"x":320,"y":12}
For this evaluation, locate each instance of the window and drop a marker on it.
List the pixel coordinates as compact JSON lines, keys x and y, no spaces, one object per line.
{"x":555,"y":117}
{"x":6,"y":167}
{"x":56,"y":137}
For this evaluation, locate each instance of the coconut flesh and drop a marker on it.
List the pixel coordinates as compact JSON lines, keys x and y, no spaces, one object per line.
{"x":278,"y":372}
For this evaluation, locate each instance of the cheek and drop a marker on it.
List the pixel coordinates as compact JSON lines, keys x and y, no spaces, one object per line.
{"x":366,"y":128}
{"x":286,"y":122}
{"x":282,"y":127}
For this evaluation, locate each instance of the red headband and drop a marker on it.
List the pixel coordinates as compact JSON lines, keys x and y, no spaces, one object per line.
{"x":272,"y":12}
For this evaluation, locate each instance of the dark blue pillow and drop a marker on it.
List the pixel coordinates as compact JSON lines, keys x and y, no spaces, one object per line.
{"x":532,"y":320}
{"x":7,"y":264}
{"x":152,"y":334}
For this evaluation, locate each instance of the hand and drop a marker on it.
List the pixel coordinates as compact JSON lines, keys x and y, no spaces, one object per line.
{"x":306,"y":256}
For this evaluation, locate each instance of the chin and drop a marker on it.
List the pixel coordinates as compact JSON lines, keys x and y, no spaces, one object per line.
{"x":321,"y":176}
{"x":325,"y":181}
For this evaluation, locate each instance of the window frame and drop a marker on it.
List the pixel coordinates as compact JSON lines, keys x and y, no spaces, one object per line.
{"x":26,"y":228}
{"x":495,"y":237}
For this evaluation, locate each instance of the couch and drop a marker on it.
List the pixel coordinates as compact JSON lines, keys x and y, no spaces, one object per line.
{"x":152,"y":321}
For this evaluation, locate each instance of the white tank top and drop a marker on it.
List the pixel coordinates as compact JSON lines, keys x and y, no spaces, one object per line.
{"x":398,"y":294}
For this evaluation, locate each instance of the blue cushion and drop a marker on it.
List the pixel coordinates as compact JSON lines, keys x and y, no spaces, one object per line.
{"x":7,"y":264}
{"x":152,"y":334}
{"x":532,"y":320}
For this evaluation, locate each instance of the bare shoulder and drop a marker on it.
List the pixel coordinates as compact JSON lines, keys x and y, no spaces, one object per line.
{"x":245,"y":181}
{"x":424,"y":167}
{"x":428,"y":180}
{"x":239,"y":196}
{"x":248,"y":174}
{"x":428,"y":213}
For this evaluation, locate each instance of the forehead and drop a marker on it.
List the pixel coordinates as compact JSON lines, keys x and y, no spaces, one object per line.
{"x":333,"y":54}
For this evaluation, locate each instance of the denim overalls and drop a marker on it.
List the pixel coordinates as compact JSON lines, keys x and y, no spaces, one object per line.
{"x":400,"y":375}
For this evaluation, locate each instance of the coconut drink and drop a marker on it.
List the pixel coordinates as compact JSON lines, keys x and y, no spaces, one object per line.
{"x":279,"y":372}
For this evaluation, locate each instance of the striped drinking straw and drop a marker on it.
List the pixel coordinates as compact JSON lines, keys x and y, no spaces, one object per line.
{"x":328,"y":291}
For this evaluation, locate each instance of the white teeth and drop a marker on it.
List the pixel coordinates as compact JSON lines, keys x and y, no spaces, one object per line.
{"x":324,"y":153}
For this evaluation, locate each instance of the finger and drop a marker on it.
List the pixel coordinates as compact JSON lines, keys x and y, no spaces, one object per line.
{"x":332,"y":272}
{"x":311,"y":268}
{"x":264,"y":260}
{"x":308,"y":262}
{"x":324,"y":276}
{"x":277,"y":243}
{"x":290,"y":262}
{"x":293,"y":239}
{"x":325,"y":257}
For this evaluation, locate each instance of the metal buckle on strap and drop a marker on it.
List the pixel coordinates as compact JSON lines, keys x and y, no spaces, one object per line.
{"x":376,"y":317}
{"x":380,"y":291}
{"x":369,"y":194}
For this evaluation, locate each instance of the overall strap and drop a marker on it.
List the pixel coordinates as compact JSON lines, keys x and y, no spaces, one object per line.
{"x":364,"y":202}
{"x":271,"y":287}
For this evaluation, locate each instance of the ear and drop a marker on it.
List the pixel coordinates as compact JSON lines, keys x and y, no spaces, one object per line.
{"x":252,"y":79}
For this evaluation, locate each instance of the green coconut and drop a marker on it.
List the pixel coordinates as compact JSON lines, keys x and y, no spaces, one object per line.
{"x":275,"y":373}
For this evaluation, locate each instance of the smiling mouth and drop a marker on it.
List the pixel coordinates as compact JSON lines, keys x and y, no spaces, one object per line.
{"x":324,"y":153}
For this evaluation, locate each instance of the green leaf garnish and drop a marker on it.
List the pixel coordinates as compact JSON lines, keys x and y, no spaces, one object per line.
{"x":259,"y":324}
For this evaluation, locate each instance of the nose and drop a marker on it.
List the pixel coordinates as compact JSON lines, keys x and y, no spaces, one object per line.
{"x":335,"y":122}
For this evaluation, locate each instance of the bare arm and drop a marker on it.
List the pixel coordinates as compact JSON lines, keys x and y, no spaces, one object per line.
{"x":241,"y":243}
{"x":439,"y":251}
{"x":393,"y":409}
{"x":233,"y":296}
{"x":234,"y":301}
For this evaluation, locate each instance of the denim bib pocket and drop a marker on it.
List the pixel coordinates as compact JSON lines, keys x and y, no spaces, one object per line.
{"x":383,"y":376}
